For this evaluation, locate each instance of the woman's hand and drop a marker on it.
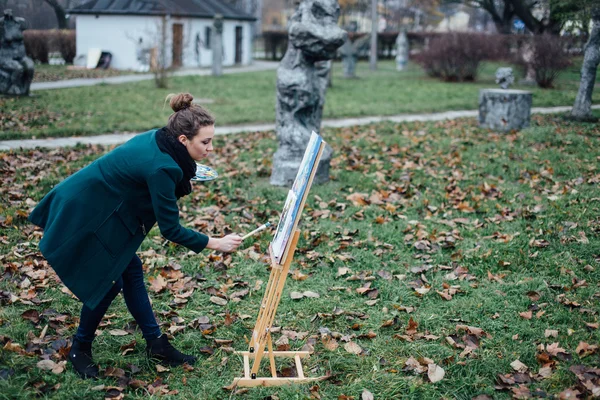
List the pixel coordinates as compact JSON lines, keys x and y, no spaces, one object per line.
{"x":226,"y":244}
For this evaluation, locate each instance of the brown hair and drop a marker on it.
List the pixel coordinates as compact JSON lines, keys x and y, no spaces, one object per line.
{"x":188,"y":118}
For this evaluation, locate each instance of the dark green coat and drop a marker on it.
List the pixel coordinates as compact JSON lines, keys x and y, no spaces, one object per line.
{"x":95,"y":220}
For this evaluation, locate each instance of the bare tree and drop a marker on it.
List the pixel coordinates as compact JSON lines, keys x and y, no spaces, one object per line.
{"x":582,"y":109}
{"x":546,"y":21}
{"x":59,"y":11}
{"x":500,"y":11}
{"x":160,"y":69}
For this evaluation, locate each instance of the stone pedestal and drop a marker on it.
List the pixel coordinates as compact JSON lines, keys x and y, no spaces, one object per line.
{"x":288,"y":162}
{"x":504,"y":109}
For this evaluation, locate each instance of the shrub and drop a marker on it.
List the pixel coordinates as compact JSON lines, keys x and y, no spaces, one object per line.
{"x":549,"y":56}
{"x":457,"y":56}
{"x":64,"y":41}
{"x":36,"y":45}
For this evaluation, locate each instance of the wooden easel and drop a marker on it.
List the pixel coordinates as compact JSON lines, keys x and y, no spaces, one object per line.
{"x":261,"y":335}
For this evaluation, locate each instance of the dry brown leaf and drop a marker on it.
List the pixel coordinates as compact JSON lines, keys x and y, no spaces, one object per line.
{"x":157,"y":284}
{"x":526,"y":314}
{"x":330,"y":343}
{"x":551,"y":333}
{"x":353,"y":348}
{"x":160,"y":368}
{"x":218,"y":300}
{"x":519,"y":366}
{"x":553,"y":349}
{"x":299,"y":276}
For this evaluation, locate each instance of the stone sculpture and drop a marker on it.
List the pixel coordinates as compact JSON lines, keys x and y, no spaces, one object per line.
{"x":350,"y":52}
{"x":217,"y":51}
{"x":401,"y":51}
{"x":323,"y":72}
{"x":505,"y":77}
{"x":16,"y":69}
{"x":313,"y":36}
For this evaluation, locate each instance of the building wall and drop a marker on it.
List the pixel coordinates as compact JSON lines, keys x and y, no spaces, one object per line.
{"x":120,"y":35}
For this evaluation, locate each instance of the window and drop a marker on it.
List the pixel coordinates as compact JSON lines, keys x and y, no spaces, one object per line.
{"x":207,"y":41}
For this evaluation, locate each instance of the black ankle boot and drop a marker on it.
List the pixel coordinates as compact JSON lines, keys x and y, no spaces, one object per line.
{"x":161,"y":350}
{"x":80,"y":357}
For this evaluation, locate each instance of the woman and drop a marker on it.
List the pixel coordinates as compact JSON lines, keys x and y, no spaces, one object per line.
{"x":95,"y":220}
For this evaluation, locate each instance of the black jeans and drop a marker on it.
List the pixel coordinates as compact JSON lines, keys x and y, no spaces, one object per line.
{"x":136,"y":298}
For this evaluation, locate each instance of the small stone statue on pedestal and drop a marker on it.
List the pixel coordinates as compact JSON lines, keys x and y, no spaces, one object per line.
{"x":401,"y":51}
{"x":504,"y":109}
{"x":313,"y":36}
{"x":16,"y":69}
{"x":505,"y":77}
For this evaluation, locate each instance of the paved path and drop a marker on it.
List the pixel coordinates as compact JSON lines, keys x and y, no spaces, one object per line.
{"x":110,"y":139}
{"x":115,"y":80}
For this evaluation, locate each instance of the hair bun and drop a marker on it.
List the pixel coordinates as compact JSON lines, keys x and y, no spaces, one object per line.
{"x":180,"y":101}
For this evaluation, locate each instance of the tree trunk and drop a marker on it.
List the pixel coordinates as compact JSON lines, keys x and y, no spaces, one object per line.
{"x":502,"y":22}
{"x":582,"y":109}
{"x":523,"y":11}
{"x":503,"y":27}
{"x":61,"y":15}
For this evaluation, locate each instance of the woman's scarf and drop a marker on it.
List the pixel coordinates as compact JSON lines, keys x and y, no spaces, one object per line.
{"x":168,"y":143}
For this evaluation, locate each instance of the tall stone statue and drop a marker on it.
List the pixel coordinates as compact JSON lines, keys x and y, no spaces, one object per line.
{"x":16,"y":69}
{"x":401,"y":51}
{"x":323,"y":72}
{"x":350,"y":52}
{"x":313,"y":36}
{"x":217,"y":51}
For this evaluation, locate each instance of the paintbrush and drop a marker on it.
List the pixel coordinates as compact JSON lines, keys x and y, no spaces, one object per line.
{"x":257,"y":230}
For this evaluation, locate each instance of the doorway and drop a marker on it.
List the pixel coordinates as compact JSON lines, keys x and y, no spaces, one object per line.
{"x":238,"y":44}
{"x":177,"y":45}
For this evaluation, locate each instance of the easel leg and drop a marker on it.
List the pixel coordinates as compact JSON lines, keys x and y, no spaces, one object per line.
{"x":271,"y":356}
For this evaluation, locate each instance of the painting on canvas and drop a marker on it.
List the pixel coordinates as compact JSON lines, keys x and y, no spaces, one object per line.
{"x":293,"y":203}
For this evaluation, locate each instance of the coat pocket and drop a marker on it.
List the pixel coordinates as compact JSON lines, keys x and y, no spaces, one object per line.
{"x":117,"y":230}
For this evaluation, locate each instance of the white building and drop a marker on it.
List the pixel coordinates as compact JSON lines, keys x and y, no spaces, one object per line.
{"x":132,"y":31}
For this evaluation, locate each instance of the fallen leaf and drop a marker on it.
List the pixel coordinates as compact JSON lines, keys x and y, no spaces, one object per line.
{"x":118,"y":332}
{"x":550,"y":333}
{"x":519,"y":366}
{"x":526,"y":314}
{"x":435,"y":373}
{"x":353,"y":348}
{"x":218,"y":300}
{"x":296,"y":295}
{"x":366,"y":395}
{"x":160,"y":368}
{"x":311,"y":294}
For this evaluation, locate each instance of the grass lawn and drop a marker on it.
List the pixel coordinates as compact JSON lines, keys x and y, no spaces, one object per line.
{"x":250,"y":97}
{"x":433,"y":243}
{"x":51,"y":73}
